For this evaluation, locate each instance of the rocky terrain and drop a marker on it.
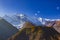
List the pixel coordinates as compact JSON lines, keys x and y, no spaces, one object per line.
{"x":32,"y":32}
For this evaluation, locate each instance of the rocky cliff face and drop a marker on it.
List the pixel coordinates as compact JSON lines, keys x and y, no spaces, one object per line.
{"x":49,"y":23}
{"x":56,"y":26}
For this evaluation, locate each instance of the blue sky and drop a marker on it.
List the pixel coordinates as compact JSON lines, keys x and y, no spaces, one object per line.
{"x":39,"y":8}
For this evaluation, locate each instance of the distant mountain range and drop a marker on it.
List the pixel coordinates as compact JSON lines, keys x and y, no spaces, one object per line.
{"x":19,"y":19}
{"x":9,"y":25}
{"x":15,"y":20}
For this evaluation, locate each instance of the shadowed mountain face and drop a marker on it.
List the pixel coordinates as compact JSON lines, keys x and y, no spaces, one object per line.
{"x":6,"y":30}
{"x":56,"y":26}
{"x":31,"y":32}
{"x":49,"y":23}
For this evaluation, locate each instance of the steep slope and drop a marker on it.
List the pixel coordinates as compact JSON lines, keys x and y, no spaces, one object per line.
{"x":12,"y":20}
{"x":19,"y":20}
{"x":49,"y":23}
{"x":6,"y":29}
{"x":16,"y":20}
{"x":32,"y":32}
{"x":56,"y":26}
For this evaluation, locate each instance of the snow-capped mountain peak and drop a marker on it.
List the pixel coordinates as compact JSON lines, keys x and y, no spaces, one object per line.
{"x":41,"y":20}
{"x":20,"y":15}
{"x":46,"y":21}
{"x":19,"y":19}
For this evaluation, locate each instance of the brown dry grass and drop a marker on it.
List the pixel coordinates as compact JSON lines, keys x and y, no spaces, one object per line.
{"x":31,"y":32}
